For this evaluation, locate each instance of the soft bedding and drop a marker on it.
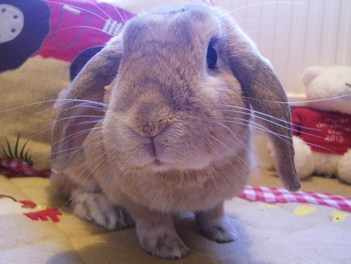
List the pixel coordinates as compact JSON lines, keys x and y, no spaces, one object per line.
{"x":269,"y":233}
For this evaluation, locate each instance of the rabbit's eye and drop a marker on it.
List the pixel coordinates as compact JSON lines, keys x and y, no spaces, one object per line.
{"x":212,"y":56}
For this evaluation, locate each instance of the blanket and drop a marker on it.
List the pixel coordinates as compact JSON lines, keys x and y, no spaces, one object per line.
{"x":269,"y":233}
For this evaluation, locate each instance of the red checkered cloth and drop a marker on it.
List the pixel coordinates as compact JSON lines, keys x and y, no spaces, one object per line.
{"x":280,"y":195}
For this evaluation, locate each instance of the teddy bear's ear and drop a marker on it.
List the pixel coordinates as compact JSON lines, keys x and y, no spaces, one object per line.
{"x":310,"y":74}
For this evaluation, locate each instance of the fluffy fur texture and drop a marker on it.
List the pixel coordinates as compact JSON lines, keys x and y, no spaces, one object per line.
{"x":325,"y":82}
{"x":170,"y":134}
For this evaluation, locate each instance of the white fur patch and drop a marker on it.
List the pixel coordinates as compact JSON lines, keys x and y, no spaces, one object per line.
{"x":162,"y":241}
{"x":94,"y":207}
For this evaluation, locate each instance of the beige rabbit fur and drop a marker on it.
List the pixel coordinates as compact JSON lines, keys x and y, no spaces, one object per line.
{"x":171,"y":133}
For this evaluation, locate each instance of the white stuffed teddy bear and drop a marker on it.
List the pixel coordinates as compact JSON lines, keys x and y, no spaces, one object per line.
{"x":322,"y":126}
{"x":324,"y":83}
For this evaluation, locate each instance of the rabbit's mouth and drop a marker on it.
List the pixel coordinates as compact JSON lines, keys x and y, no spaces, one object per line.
{"x":157,"y":162}
{"x":159,"y":158}
{"x":159,"y":166}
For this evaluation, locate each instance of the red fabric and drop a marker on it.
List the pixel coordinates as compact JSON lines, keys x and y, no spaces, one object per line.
{"x":326,"y":132}
{"x":28,"y":204}
{"x":52,"y":214}
{"x":47,"y":214}
{"x":279,"y":195}
{"x":76,"y":25}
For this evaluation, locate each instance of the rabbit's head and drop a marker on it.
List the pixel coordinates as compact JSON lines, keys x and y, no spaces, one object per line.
{"x":185,"y":83}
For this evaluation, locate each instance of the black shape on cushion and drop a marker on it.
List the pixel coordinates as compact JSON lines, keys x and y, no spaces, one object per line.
{"x":80,"y":61}
{"x":36,"y":26}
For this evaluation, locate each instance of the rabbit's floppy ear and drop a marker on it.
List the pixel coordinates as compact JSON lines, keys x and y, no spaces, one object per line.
{"x":83,"y":102}
{"x":264,"y":93}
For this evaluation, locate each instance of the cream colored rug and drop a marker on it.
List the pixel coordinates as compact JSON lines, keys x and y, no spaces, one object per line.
{"x":289,"y":234}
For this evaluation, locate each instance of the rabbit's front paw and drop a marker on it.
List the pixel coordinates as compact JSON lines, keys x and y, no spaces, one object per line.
{"x":219,"y":232}
{"x":95,"y":207}
{"x":162,"y":242}
{"x":216,"y":226}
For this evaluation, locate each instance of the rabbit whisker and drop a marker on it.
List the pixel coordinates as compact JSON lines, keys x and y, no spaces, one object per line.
{"x":281,"y":136}
{"x":74,"y":135}
{"x":47,"y":129}
{"x":82,"y":101}
{"x":256,"y":126}
{"x":258,"y":113}
{"x":99,"y":108}
{"x":293,"y":128}
{"x":102,"y":161}
{"x":69,"y":151}
{"x":90,"y":122}
{"x":120,"y":14}
{"x":50,"y":102}
{"x":98,"y":117}
{"x":100,"y":9}
{"x":302,"y":101}
{"x":229,"y":148}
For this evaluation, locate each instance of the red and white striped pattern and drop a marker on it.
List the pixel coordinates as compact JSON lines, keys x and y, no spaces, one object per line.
{"x":279,"y":195}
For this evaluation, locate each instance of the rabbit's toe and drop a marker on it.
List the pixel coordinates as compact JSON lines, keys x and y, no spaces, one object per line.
{"x":95,"y":207}
{"x":220,"y":231}
{"x":163,"y":243}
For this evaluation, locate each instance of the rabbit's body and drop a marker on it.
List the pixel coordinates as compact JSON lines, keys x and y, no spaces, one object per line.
{"x":181,"y":191}
{"x":174,"y":136}
{"x":176,"y":191}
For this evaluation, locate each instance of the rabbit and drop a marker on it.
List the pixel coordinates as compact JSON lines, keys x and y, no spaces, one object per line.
{"x":158,"y":123}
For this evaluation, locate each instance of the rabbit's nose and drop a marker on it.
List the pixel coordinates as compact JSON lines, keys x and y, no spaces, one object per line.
{"x":151,"y":118}
{"x":154,"y":128}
